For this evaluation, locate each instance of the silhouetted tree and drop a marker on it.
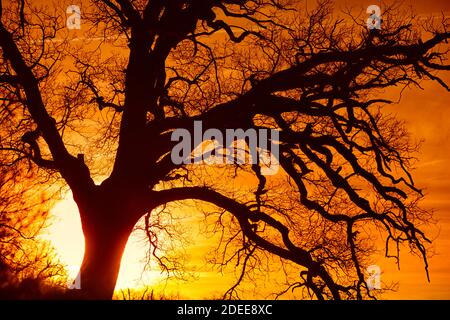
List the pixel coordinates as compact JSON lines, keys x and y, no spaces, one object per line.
{"x":104,"y":105}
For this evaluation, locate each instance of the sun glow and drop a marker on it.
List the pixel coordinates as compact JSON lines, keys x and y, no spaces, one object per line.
{"x":66,"y":236}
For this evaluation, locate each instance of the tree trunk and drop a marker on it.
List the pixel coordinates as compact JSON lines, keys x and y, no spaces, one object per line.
{"x":107,"y":224}
{"x":101,"y":262}
{"x":108,"y":214}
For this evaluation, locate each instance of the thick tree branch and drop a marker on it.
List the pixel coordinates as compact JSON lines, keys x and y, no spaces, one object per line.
{"x":75,"y":173}
{"x":245,"y":216}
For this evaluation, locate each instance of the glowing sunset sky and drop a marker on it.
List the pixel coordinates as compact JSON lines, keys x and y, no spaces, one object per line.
{"x":427,"y":114}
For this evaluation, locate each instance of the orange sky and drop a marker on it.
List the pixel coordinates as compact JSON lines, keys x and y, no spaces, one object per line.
{"x":427,"y":114}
